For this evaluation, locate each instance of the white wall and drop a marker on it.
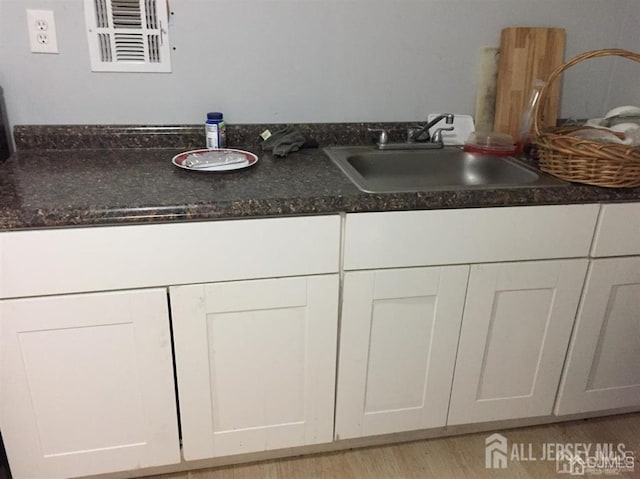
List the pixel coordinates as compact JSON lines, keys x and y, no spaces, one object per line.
{"x":305,"y":60}
{"x":625,"y":87}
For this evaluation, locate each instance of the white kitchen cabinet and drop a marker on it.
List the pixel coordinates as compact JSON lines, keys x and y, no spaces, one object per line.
{"x":462,"y":236}
{"x":603,"y":365}
{"x":155,"y":255}
{"x":255,"y":363}
{"x":398,"y":339}
{"x":618,"y":231}
{"x":87,"y":384}
{"x":515,"y":331}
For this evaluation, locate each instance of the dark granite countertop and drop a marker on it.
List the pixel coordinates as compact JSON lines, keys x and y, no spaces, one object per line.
{"x":104,"y":185}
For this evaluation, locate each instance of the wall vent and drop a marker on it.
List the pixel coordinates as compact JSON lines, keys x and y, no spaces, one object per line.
{"x":128,"y":35}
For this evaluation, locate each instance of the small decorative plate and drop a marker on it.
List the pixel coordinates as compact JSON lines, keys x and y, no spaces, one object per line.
{"x":221,"y":159}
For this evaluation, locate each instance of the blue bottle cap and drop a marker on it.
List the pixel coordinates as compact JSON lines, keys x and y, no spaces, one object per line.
{"x":214,"y":115}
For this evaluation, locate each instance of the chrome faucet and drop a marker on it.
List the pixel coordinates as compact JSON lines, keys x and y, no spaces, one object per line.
{"x":418,"y":138}
{"x":421,"y":133}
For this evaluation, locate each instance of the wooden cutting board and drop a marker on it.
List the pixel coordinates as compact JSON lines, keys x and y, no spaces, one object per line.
{"x":526,"y":54}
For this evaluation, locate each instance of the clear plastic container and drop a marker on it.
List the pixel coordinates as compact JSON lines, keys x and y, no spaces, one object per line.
{"x":490,"y":143}
{"x":524,"y":135}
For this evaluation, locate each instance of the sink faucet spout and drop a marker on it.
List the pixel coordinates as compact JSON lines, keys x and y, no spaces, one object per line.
{"x":422,"y":133}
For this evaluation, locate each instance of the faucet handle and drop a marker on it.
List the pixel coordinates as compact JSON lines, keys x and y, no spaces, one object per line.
{"x":383,"y":136}
{"x":437,"y":135}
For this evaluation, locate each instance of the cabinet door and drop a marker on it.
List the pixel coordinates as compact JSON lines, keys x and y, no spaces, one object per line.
{"x":515,"y":331}
{"x":603,"y":366}
{"x":255,"y":363}
{"x":87,"y":384}
{"x":398,"y":339}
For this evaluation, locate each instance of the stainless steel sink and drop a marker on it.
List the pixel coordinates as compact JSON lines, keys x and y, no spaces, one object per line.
{"x":450,"y":168}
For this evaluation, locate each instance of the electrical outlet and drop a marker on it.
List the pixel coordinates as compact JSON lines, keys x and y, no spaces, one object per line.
{"x":42,"y":31}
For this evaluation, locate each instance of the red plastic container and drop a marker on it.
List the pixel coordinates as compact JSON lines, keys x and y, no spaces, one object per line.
{"x":490,"y":143}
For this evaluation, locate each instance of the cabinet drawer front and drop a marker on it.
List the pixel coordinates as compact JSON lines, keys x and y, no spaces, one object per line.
{"x":618,"y":231}
{"x":417,"y":238}
{"x":92,"y":259}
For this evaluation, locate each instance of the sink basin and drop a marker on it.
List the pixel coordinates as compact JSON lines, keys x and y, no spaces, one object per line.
{"x":378,"y":171}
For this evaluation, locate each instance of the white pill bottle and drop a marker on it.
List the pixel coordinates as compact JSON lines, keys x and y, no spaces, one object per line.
{"x":215,"y":130}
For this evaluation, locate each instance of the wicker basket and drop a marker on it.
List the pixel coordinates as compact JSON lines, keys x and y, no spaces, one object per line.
{"x":584,"y":161}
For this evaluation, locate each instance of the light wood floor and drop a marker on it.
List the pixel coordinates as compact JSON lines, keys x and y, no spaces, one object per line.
{"x":458,"y":457}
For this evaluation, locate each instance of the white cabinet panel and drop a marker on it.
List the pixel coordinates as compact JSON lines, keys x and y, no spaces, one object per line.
{"x":87,"y":384}
{"x":515,"y":330}
{"x":58,"y":261}
{"x":618,"y":230}
{"x":398,"y":340}
{"x":603,"y":365}
{"x":473,"y":235}
{"x":255,"y":363}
